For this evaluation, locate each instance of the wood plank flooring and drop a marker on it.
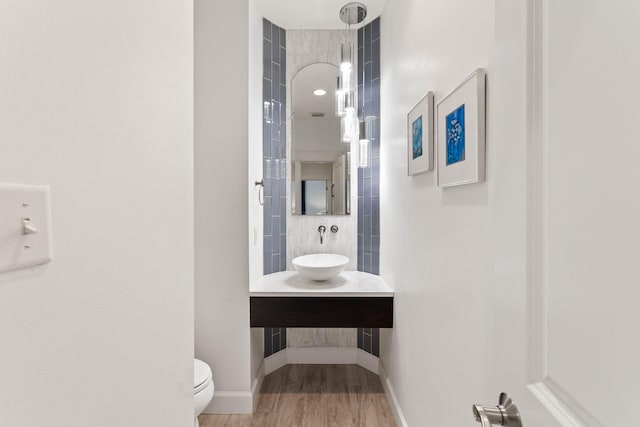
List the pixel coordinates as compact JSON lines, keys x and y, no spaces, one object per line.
{"x":315,"y":395}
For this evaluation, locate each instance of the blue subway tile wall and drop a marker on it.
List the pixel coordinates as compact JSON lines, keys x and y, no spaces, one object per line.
{"x":369,"y":177}
{"x":274,"y":165}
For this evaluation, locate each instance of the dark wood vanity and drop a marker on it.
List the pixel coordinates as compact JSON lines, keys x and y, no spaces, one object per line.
{"x":353,"y":299}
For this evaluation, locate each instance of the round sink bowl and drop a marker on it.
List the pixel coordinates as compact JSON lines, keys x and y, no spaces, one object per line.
{"x":320,"y":267}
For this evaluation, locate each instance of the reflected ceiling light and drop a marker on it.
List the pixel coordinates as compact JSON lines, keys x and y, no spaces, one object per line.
{"x":319,"y":92}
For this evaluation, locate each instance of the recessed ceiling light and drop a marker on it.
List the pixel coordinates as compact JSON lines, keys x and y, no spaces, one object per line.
{"x":319,"y":92}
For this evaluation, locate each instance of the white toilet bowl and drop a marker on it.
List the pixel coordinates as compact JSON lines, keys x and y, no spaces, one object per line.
{"x":202,"y":387}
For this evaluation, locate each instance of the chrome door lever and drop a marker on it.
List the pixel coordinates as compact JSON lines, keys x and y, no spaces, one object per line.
{"x":260,"y":191}
{"x":505,"y":414}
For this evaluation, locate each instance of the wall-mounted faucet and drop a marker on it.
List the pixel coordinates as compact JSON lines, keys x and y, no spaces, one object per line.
{"x":322,"y":229}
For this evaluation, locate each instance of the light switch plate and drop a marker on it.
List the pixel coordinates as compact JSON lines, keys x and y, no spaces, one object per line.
{"x":17,"y":204}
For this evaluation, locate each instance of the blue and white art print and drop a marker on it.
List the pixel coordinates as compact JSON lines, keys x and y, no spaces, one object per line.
{"x":417,"y":137}
{"x":455,"y":136}
{"x":420,"y":136}
{"x":461,"y":133}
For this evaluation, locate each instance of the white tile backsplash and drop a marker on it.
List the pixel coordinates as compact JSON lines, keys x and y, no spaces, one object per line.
{"x":305,"y":47}
{"x":321,"y":337}
{"x":303,"y":237}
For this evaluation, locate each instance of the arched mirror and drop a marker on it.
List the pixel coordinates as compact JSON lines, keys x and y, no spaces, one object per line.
{"x":320,"y":161}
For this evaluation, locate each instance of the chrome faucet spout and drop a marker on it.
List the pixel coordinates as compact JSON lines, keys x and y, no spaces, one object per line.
{"x":322,"y":229}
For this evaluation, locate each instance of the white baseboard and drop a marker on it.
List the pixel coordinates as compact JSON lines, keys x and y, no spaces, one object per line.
{"x":237,"y":402}
{"x":398,"y":416}
{"x":275,"y":361}
{"x":368,"y":361}
{"x":257,"y":385}
{"x":321,"y":356}
{"x":230,"y":402}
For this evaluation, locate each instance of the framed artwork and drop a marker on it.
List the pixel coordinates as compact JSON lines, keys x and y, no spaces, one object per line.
{"x":420,"y":136}
{"x":461,"y":133}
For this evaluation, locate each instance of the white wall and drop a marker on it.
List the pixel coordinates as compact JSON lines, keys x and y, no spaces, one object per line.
{"x":316,"y":140}
{"x":255,"y":173}
{"x":223,"y":336}
{"x":436,"y":243}
{"x":255,"y":141}
{"x":97,"y":102}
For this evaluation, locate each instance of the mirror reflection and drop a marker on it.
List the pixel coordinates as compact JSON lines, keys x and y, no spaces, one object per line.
{"x":320,"y":161}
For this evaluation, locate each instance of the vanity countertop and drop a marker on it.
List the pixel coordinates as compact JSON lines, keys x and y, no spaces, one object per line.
{"x":346,"y":284}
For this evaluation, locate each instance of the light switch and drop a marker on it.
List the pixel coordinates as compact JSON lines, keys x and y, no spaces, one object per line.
{"x":25,"y":226}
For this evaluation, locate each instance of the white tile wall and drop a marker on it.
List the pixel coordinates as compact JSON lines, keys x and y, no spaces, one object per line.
{"x":321,"y":337}
{"x":305,"y":47}
{"x":303,"y":237}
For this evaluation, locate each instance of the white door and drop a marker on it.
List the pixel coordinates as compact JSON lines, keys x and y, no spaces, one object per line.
{"x":565,"y":113}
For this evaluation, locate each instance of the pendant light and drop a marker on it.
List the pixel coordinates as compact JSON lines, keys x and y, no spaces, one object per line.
{"x":351,"y":13}
{"x":364,"y":132}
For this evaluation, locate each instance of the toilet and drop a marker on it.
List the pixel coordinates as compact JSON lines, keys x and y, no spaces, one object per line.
{"x":202,"y":387}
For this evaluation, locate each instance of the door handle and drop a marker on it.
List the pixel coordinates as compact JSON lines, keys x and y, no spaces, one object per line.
{"x":505,"y":414}
{"x":260,"y":191}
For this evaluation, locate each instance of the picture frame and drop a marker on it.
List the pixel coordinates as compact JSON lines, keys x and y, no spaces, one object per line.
{"x":460,"y":131}
{"x":420,"y":135}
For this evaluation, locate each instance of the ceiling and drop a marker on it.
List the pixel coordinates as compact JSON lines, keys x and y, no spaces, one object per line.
{"x":315,"y":76}
{"x":315,"y":138}
{"x":312,"y":14}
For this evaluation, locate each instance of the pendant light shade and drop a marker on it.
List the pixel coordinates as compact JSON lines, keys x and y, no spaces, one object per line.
{"x":346,"y":57}
{"x":350,"y":128}
{"x":340,"y":97}
{"x":363,"y":153}
{"x":267,"y":112}
{"x":363,"y":143}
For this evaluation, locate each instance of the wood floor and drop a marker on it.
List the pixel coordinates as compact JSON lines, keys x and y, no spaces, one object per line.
{"x":315,"y":395}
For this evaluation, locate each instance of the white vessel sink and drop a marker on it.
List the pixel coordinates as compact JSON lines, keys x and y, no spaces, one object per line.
{"x":320,"y":267}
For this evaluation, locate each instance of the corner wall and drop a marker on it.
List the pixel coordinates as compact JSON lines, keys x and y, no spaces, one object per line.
{"x":274,"y":167}
{"x":223,"y":337}
{"x":437,"y":243}
{"x":369,"y":177}
{"x":255,"y":174}
{"x":97,"y":102}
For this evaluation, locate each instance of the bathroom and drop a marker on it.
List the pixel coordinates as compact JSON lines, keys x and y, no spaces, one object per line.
{"x":145,"y":119}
